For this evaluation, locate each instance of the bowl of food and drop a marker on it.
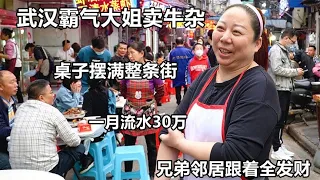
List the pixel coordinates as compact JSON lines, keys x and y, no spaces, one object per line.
{"x":74,"y":113}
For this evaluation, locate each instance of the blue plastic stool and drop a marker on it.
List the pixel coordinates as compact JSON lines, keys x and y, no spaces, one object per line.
{"x":130,"y":153}
{"x":103,"y":154}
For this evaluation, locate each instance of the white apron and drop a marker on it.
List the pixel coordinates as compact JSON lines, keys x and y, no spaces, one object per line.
{"x":205,"y":123}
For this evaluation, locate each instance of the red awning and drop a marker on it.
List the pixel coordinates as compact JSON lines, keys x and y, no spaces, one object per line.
{"x":176,"y":3}
{"x":8,"y":17}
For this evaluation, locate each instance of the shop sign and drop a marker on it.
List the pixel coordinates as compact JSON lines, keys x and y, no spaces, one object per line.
{"x":179,"y":25}
{"x":104,"y":5}
{"x":209,"y":24}
{"x":156,"y":4}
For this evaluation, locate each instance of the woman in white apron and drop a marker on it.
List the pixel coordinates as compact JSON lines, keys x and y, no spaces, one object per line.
{"x":233,"y":108}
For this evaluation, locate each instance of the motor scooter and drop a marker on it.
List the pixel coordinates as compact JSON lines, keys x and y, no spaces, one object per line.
{"x":301,"y":98}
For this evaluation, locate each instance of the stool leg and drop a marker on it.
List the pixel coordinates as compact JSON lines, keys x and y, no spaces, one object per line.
{"x":143,"y":168}
{"x":117,"y":169}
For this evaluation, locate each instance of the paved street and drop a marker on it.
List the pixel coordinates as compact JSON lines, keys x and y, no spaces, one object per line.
{"x":291,"y":144}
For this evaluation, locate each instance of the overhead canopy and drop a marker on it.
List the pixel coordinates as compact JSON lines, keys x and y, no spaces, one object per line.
{"x":295,"y":3}
{"x":310,"y":2}
{"x":176,"y":3}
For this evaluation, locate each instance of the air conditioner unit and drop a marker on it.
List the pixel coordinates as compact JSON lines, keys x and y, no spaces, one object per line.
{"x":297,"y":17}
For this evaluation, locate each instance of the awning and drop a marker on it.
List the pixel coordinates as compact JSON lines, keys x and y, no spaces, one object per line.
{"x":310,"y":2}
{"x":278,"y":23}
{"x":176,"y":3}
{"x":164,"y":4}
{"x":295,"y":3}
{"x":8,"y":17}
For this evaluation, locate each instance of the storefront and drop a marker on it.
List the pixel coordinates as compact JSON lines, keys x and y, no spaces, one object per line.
{"x":111,"y":34}
{"x":21,"y":36}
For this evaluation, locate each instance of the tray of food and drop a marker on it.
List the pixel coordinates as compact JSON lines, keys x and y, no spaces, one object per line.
{"x":74,"y":113}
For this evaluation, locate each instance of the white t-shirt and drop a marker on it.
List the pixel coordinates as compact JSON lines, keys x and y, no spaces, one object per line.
{"x":62,"y":55}
{"x":18,"y":61}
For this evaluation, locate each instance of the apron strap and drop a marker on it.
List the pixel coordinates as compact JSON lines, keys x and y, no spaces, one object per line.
{"x":202,"y":90}
{"x":234,"y":86}
{"x":207,"y":83}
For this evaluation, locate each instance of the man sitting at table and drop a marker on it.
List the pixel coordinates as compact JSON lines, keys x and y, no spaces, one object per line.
{"x":8,"y":88}
{"x":33,"y":136}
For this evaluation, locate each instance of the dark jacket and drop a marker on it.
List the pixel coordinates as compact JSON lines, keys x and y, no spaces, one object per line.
{"x":212,"y":57}
{"x":5,"y":128}
{"x":116,"y":58}
{"x":306,"y":63}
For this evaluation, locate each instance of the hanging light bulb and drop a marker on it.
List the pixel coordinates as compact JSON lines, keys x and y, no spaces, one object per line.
{"x":21,"y":31}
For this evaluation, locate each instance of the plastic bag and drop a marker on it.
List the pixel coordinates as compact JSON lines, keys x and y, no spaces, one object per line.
{"x":30,"y":73}
{"x":312,"y":39}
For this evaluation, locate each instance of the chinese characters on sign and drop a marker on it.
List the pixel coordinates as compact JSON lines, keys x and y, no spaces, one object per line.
{"x":104,"y":5}
{"x":132,"y":18}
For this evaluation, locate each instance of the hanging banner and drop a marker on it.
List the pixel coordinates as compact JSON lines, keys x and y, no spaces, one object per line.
{"x":104,"y":5}
{"x":155,"y":4}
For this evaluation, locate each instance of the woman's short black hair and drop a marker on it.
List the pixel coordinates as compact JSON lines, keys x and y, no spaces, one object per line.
{"x":29,"y":45}
{"x":159,"y":55}
{"x":97,"y":84}
{"x":7,"y":32}
{"x":139,"y":46}
{"x":76,"y":47}
{"x":67,"y":82}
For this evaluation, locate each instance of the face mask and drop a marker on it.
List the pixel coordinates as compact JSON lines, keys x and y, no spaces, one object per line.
{"x":199,"y":52}
{"x":99,"y":53}
{"x":291,"y":47}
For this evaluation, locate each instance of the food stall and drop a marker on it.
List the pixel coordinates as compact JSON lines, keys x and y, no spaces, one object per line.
{"x":8,"y":19}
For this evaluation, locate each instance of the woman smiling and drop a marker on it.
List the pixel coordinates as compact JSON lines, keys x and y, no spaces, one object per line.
{"x":232,"y":109}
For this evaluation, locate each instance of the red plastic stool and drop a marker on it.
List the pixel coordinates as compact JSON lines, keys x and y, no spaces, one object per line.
{"x":165,"y":99}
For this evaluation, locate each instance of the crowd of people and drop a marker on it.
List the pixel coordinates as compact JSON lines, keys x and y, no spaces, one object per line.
{"x":236,"y":96}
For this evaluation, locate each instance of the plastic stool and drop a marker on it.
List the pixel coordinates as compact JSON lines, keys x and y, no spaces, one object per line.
{"x":103,"y":154}
{"x":112,"y":138}
{"x":130,"y":153}
{"x":165,"y":99}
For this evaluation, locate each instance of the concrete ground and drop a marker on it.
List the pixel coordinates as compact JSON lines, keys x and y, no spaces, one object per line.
{"x":291,"y":144}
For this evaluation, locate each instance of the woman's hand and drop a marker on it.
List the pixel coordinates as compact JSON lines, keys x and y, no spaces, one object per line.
{"x":173,"y":139}
{"x":75,"y":87}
